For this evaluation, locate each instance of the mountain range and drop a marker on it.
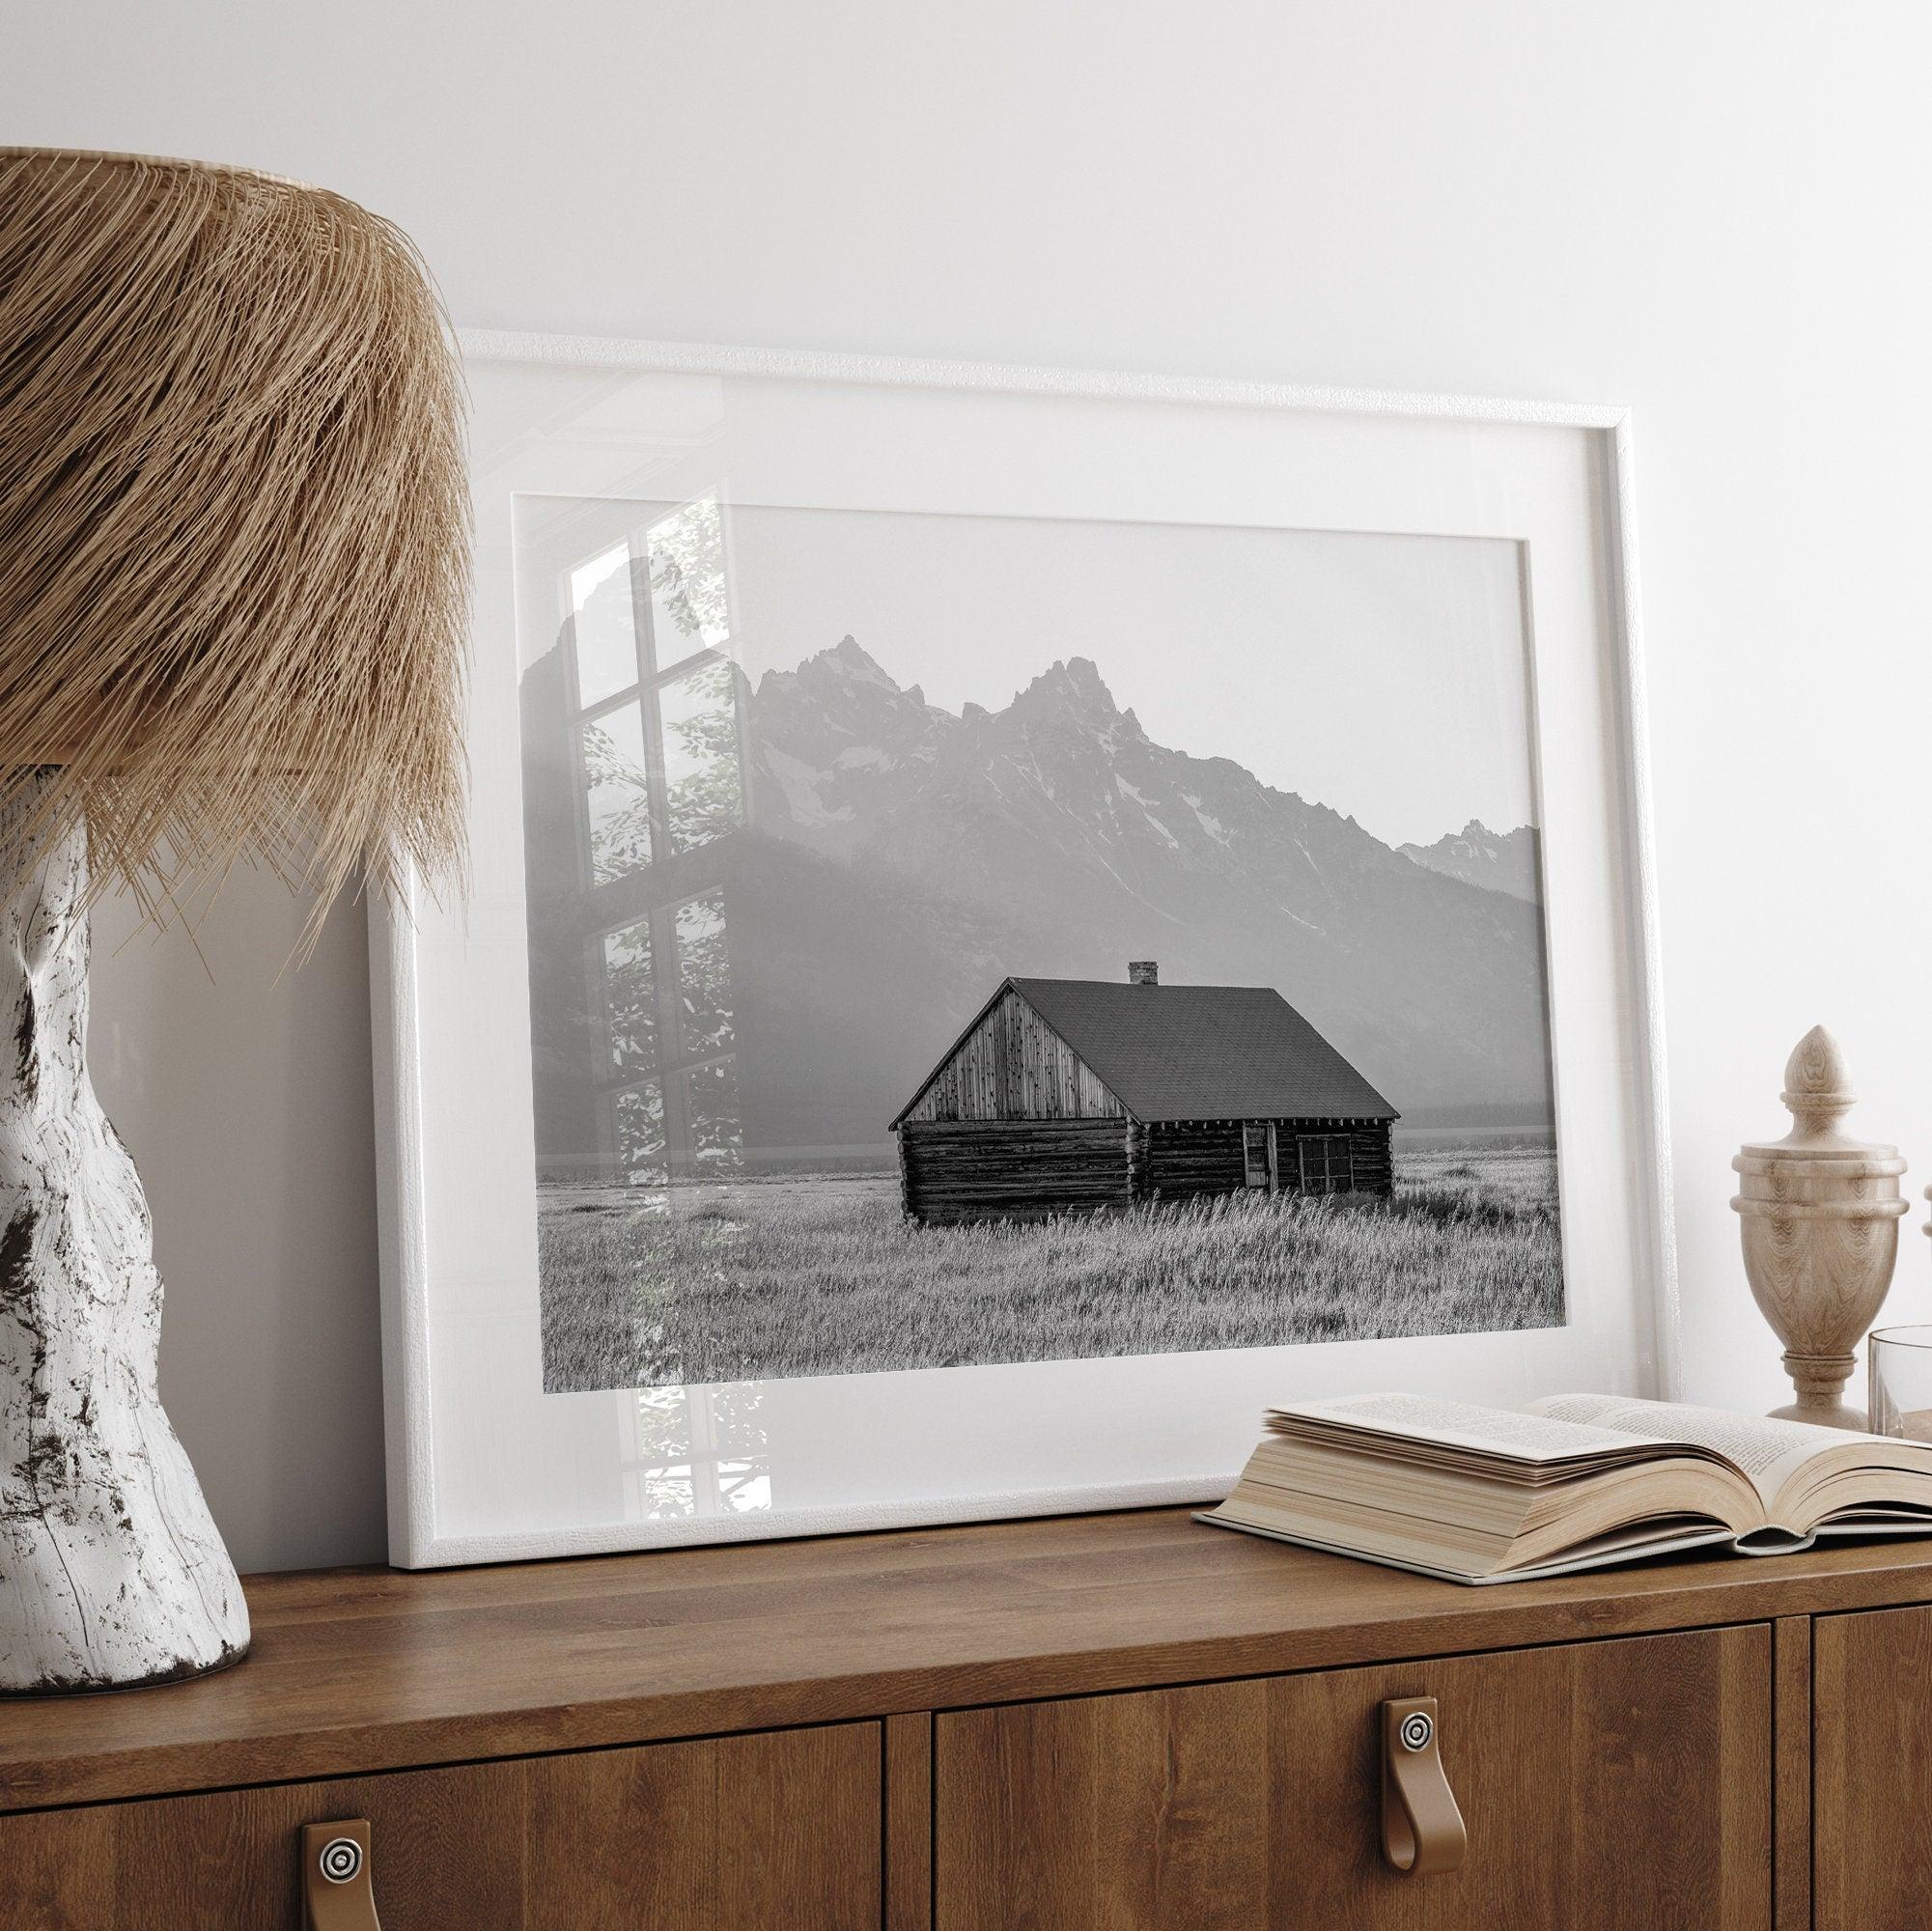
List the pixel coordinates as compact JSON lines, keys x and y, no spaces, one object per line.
{"x":1498,"y":862}
{"x":901,"y":859}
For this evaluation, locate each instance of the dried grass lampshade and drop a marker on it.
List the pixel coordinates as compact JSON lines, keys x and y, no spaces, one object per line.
{"x":233,"y":586}
{"x":233,"y":518}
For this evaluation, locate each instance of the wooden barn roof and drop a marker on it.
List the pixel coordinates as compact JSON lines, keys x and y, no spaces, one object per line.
{"x":1203,"y":1052}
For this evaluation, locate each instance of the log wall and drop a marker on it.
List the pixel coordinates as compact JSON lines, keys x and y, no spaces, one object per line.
{"x":952,"y":1170}
{"x":1011,"y":1067}
{"x":1374,"y":1160}
{"x":1190,"y":1157}
{"x":1195,"y":1157}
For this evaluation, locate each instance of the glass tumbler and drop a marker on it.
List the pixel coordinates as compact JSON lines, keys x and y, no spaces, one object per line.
{"x":1900,"y":1364}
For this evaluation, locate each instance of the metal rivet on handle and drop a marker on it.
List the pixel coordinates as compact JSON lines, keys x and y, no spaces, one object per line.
{"x":341,"y":1859}
{"x":1417,"y":1731}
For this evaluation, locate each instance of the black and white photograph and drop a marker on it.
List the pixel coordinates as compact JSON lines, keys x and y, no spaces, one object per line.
{"x":964,"y":940}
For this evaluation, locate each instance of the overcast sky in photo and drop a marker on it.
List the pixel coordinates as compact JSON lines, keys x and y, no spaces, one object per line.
{"x":1381,"y":675}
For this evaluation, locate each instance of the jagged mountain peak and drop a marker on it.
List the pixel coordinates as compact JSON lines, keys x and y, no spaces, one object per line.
{"x":854,"y":751}
{"x":1497,"y":861}
{"x":1069,"y":686}
{"x":851,"y":658}
{"x":847,"y":662}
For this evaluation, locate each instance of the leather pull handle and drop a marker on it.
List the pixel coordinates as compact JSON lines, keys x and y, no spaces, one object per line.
{"x":336,"y":1891}
{"x":1423,"y":1829}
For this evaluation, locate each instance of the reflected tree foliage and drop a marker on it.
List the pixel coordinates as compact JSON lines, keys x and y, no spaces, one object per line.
{"x":703,"y":977}
{"x":687,"y":584}
{"x":704,"y":789}
{"x":629,"y":998}
{"x":702,"y":1451}
{"x":642,"y":1152}
{"x":618,"y":793}
{"x":711,"y":1112}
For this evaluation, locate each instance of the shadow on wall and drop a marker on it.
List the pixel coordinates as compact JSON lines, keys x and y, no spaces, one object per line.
{"x":245,"y":1100}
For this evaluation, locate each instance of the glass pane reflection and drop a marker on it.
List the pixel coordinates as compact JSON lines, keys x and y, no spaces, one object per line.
{"x":606,"y":625}
{"x":617,"y":794}
{"x":689,"y":606}
{"x":641,"y":1150}
{"x":703,"y":789}
{"x":710,"y":1110}
{"x":698,"y":1452}
{"x":704,"y":978}
{"x":629,"y":998}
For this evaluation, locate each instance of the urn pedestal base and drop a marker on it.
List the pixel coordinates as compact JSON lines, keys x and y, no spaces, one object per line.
{"x":1826,"y":1414}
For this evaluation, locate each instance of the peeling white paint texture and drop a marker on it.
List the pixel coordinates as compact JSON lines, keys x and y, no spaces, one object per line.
{"x":111,"y":1569}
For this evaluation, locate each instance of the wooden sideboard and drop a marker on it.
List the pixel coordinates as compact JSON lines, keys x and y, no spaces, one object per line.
{"x":1120,"y":1721}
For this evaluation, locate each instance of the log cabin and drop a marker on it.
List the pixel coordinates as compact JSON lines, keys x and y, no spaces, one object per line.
{"x":1083,"y":1095}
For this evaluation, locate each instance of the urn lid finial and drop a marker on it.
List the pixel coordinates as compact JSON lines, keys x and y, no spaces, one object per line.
{"x":1817,"y":1084}
{"x":1818,"y":1090}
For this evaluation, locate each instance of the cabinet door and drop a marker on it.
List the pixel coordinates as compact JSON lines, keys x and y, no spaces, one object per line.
{"x":1872,"y":1776}
{"x":1619,"y":1784}
{"x":744,"y":1833}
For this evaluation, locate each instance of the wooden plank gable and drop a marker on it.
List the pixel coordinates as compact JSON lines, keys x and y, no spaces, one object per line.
{"x":1011,"y":1065}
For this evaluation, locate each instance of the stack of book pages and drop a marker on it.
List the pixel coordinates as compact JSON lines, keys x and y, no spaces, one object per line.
{"x":1490,"y":1495}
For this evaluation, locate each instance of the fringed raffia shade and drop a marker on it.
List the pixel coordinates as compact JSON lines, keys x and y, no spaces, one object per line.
{"x":233,"y":559}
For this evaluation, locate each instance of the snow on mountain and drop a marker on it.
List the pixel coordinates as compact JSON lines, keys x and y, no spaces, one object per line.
{"x":1498,"y":862}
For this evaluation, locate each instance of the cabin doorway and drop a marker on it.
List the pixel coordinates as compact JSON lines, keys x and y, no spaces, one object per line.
{"x":1257,"y":1148}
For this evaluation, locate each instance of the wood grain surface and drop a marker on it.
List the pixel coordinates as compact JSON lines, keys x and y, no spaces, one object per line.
{"x":360,"y":1672}
{"x":745,"y":1834}
{"x":909,"y":1822}
{"x":1791,"y":1770}
{"x":1872,"y":1771}
{"x":1618,"y":1784}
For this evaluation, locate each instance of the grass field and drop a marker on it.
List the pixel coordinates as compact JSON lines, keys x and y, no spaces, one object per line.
{"x":822,"y":1274}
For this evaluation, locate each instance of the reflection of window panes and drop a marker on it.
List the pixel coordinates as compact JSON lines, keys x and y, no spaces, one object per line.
{"x":617,"y":793}
{"x":711,"y":1106}
{"x":606,"y":627}
{"x":700,"y":1451}
{"x":664,"y":1426}
{"x":704,"y":978}
{"x":703,"y":791}
{"x":640,"y":1136}
{"x":688,"y":608}
{"x":629,"y":1004}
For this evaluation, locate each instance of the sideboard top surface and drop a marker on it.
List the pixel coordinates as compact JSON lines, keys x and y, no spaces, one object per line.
{"x":358,"y":1670}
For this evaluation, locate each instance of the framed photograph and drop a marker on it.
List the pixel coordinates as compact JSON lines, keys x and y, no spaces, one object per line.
{"x":1018,"y":918}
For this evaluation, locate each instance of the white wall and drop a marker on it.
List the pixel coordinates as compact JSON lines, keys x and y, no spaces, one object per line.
{"x":1716,"y":213}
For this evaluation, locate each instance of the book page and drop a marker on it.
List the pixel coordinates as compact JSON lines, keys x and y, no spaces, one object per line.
{"x":1597,"y":1555}
{"x":1766,"y":1452}
{"x":1494,"y":1431}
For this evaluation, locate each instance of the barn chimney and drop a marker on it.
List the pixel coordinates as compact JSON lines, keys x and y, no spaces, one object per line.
{"x":1143,"y":972}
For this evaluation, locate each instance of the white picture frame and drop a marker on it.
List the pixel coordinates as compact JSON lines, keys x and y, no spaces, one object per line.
{"x":483,"y":1466}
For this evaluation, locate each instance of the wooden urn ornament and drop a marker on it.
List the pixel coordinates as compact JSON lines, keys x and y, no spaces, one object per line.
{"x":1820,"y":1214}
{"x":233,"y":578}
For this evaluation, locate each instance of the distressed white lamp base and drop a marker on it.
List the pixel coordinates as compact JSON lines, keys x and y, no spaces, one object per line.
{"x":111,"y":1570}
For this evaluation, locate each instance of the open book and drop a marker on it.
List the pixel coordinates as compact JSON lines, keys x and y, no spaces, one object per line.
{"x":1488,"y":1494}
